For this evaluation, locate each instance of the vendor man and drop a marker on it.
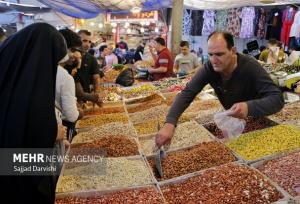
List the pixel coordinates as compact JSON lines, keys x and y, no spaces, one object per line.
{"x":163,"y":60}
{"x":239,"y":81}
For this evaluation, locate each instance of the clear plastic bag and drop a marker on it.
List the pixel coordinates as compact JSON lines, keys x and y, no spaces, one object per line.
{"x":230,"y":126}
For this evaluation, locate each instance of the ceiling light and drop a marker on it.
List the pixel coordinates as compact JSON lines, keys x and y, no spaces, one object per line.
{"x":72,"y":27}
{"x":147,"y":23}
{"x":113,"y":30}
{"x":128,"y":31}
{"x":100,"y":25}
{"x":156,"y":29}
{"x":92,"y":24}
{"x":113,"y":25}
{"x":136,"y":9}
{"x":142,"y":30}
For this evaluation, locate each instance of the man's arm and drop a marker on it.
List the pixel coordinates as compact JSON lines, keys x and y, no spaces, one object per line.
{"x":181,"y":102}
{"x":271,"y":98}
{"x":68,"y":100}
{"x":94,"y":71}
{"x":157,"y":70}
{"x":183,"y":99}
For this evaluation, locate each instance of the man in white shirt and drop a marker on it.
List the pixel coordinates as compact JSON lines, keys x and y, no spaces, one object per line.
{"x":111,"y":58}
{"x":186,"y":62}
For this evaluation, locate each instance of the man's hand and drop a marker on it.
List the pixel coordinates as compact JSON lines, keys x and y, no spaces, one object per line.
{"x":61,"y":132}
{"x":164,"y":135}
{"x":239,"y":110}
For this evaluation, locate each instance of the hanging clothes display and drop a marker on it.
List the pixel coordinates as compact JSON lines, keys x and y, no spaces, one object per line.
{"x":295,"y":31}
{"x":221,"y":20}
{"x":247,"y":28}
{"x":233,"y":21}
{"x":275,"y":23}
{"x":186,"y":23}
{"x":256,"y":20}
{"x":261,"y":24}
{"x":209,"y":22}
{"x":197,"y":23}
{"x":287,"y":21}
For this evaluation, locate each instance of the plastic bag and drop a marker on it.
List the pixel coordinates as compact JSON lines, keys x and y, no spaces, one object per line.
{"x":230,"y":126}
{"x":125,"y":78}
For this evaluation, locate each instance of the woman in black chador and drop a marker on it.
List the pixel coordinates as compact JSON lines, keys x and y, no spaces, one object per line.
{"x":28,"y":66}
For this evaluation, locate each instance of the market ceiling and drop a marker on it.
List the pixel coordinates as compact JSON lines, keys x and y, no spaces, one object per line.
{"x":92,"y":8}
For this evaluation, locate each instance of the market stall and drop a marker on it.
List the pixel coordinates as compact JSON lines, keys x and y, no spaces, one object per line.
{"x":199,"y":164}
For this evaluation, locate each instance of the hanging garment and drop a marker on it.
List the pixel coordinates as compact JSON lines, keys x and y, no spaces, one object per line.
{"x":209,"y":22}
{"x":221,"y":20}
{"x":186,"y":23}
{"x":197,"y":23}
{"x":295,"y":29}
{"x":247,"y":15}
{"x":233,"y":21}
{"x":261,"y":24}
{"x":287,"y":20}
{"x":256,"y":20}
{"x":275,"y":23}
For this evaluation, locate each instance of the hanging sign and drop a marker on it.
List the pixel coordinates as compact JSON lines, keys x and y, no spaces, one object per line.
{"x":131,"y":17}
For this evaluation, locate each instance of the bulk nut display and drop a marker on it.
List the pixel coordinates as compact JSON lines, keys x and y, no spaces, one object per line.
{"x":118,"y":172}
{"x":186,"y":134}
{"x":196,"y":158}
{"x":145,"y":195}
{"x":228,"y":184}
{"x":260,"y":143}
{"x":151,"y":113}
{"x":290,"y":112}
{"x":143,"y":106}
{"x":167,"y":83}
{"x":115,"y":146}
{"x":103,"y":119}
{"x":138,"y":91}
{"x":252,"y":124}
{"x":107,"y":110}
{"x":285,"y":171}
{"x":148,"y":127}
{"x":110,"y":129}
{"x":143,"y":100}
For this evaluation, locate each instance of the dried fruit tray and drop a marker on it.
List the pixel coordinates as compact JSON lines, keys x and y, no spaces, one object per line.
{"x":191,"y":159}
{"x":282,"y":197}
{"x":257,"y":145}
{"x":115,"y":145}
{"x":120,"y":172}
{"x":115,"y":195}
{"x":281,"y":160}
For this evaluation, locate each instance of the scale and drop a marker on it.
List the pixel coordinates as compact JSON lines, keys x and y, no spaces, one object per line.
{"x":285,"y":80}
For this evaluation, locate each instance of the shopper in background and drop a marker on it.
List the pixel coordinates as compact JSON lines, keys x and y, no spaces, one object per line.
{"x":163,"y":60}
{"x":103,"y":50}
{"x":239,"y":81}
{"x":89,"y":71}
{"x":110,"y":58}
{"x":65,"y":97}
{"x":186,"y":62}
{"x":273,"y":54}
{"x":2,"y":35}
{"x":139,"y":51}
{"x":122,"y":44}
{"x":27,"y":107}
